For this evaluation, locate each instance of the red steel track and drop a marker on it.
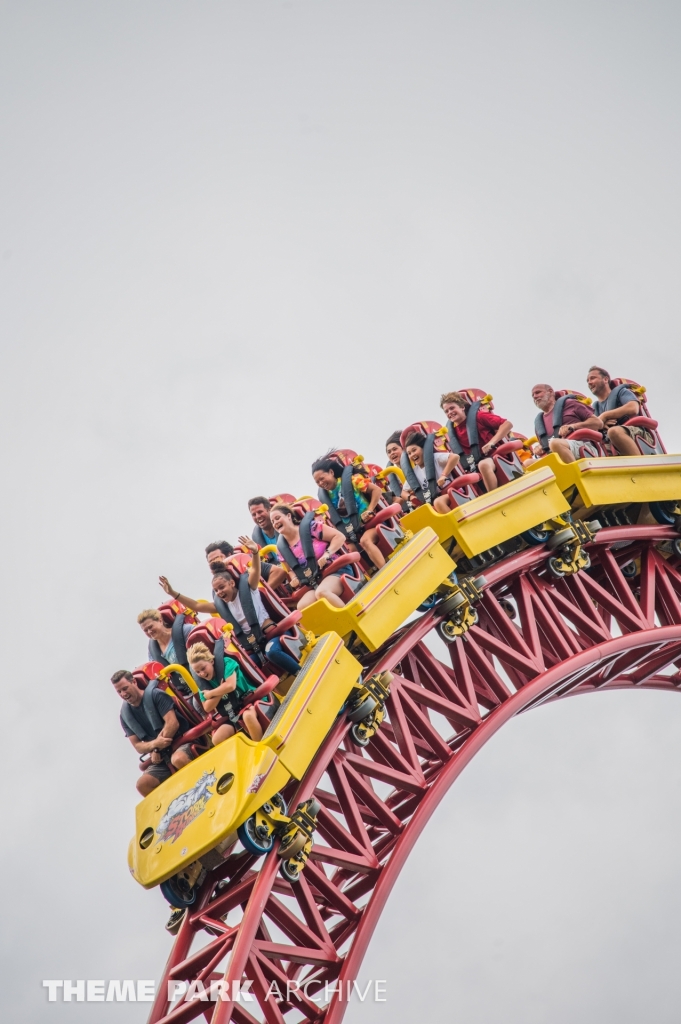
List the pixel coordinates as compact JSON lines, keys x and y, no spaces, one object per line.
{"x":597,"y":631}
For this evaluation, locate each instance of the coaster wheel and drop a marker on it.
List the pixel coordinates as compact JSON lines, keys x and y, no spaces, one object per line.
{"x":253,"y":838}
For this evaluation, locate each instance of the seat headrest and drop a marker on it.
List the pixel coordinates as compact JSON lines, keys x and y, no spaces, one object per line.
{"x":476,"y":395}
{"x":171,"y":609}
{"x":574,"y":394}
{"x":638,"y":389}
{"x":145,"y":674}
{"x":208,"y":632}
{"x":420,"y":427}
{"x":346,"y":456}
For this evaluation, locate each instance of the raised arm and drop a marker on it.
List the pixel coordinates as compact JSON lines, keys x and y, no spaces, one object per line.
{"x":189,"y":602}
{"x":255,"y":571}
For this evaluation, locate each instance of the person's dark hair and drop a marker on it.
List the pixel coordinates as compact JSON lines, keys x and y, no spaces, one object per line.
{"x":122,"y":674}
{"x":603,"y":373}
{"x":220,"y":545}
{"x":224,"y":574}
{"x":288,"y":511}
{"x":394,"y":438}
{"x":328,"y":466}
{"x":415,"y":438}
{"x":260,"y":500}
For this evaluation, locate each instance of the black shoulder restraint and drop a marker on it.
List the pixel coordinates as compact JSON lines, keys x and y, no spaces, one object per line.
{"x":178,"y":639}
{"x":254,"y":638}
{"x":348,"y":492}
{"x":150,"y":710}
{"x":394,"y":484}
{"x":259,"y":537}
{"x":411,"y":478}
{"x":613,"y":399}
{"x":306,"y":573}
{"x":473,"y":436}
{"x":225,"y":706}
{"x":540,"y":425}
{"x":219,"y":655}
{"x":155,"y":653}
{"x":430,"y":492}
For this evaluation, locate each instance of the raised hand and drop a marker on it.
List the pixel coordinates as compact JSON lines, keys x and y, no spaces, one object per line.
{"x":249,"y":544}
{"x":164,"y":584}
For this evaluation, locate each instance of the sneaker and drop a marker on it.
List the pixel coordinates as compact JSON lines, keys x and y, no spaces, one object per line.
{"x":175,"y":920}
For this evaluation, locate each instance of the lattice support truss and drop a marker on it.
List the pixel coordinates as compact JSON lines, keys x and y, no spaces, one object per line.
{"x":537,"y":639}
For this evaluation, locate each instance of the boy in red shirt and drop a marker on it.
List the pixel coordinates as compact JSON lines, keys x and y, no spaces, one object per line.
{"x":491,"y":430}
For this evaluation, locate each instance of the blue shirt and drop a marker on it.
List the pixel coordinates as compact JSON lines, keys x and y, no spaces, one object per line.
{"x":624,"y":396}
{"x":170,"y":654}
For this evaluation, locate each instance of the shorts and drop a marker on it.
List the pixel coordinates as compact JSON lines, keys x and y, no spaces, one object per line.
{"x":161,"y":771}
{"x":581,"y":449}
{"x":345,"y":570}
{"x":641,"y":432}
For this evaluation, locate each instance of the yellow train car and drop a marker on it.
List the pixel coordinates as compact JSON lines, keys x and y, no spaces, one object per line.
{"x":414,"y":572}
{"x":492,"y":519}
{"x":196,"y":813}
{"x":588,"y":484}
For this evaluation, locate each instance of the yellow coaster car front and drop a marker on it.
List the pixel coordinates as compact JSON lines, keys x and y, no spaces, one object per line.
{"x":203,"y":804}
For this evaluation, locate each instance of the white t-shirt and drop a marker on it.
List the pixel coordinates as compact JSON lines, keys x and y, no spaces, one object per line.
{"x":238,"y":612}
{"x":440,"y":463}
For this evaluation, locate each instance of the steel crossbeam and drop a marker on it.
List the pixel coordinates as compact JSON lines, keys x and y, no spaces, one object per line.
{"x":537,"y":640}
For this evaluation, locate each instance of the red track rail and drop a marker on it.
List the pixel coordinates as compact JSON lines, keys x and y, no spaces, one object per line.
{"x":596,"y":631}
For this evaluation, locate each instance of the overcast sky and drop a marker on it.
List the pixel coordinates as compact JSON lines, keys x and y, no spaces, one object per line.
{"x":232,"y":235}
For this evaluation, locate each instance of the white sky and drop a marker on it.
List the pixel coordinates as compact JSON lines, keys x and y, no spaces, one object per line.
{"x":235,"y":234}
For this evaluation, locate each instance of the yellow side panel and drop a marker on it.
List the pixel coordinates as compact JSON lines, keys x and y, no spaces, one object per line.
{"x":187,"y":814}
{"x":494,"y":518}
{"x":618,"y":480}
{"x":413,"y":572}
{"x":313,"y":703}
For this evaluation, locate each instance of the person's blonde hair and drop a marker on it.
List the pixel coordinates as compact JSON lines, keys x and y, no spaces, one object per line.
{"x":199,"y":652}
{"x":149,"y":613}
{"x":453,"y":396}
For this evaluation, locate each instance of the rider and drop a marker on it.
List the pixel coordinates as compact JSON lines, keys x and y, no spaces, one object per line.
{"x":394,"y":451}
{"x":326,"y":542}
{"x":218,"y":551}
{"x":151,"y":721}
{"x":163,"y":646}
{"x":616,"y":406}
{"x":489,"y":428}
{"x":352,"y":500}
{"x":444,"y":464}
{"x":264,"y":535}
{"x":557,"y":420}
{"x":250,"y":623}
{"x":225,"y":695}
